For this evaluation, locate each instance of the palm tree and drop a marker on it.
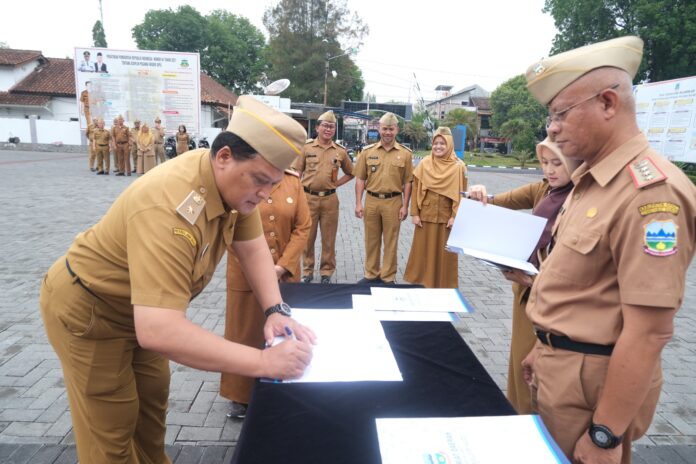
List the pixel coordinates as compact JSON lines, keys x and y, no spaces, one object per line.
{"x":416,"y":133}
{"x":466,"y":118}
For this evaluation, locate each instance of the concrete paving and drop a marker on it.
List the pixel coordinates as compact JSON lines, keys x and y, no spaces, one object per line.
{"x":49,"y":197}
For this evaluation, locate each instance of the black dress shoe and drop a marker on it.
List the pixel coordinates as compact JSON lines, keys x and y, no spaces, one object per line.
{"x":92,"y":169}
{"x":120,"y":174}
{"x":367,"y":281}
{"x":307,"y":279}
{"x":100,"y":173}
{"x":237,"y":411}
{"x":325,"y":279}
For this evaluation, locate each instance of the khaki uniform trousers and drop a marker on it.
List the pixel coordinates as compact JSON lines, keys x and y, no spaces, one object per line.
{"x":244,"y":322}
{"x":121,"y":156}
{"x":324,"y":214}
{"x":159,"y":152}
{"x":134,"y":154}
{"x":103,"y":160}
{"x":381,"y":217}
{"x":566,"y":391}
{"x":146,"y":161}
{"x":92,"y":155}
{"x":117,"y":391}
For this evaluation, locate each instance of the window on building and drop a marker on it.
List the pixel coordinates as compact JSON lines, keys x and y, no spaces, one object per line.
{"x":485,"y":122}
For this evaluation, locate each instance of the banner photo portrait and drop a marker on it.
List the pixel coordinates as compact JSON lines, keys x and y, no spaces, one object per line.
{"x":138,"y":84}
{"x":666,"y":113}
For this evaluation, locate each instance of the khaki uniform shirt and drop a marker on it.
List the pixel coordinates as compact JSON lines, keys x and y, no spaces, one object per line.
{"x":157,"y":134}
{"x":286,"y":223}
{"x":161,"y":240}
{"x":120,"y":134}
{"x":617,"y":241}
{"x":101,"y":136}
{"x":384,"y":171}
{"x":133,"y":135}
{"x":319,"y":165}
{"x":90,"y":131}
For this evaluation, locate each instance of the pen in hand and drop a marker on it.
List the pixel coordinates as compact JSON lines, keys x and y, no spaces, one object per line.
{"x":289,"y":334}
{"x":468,"y":195}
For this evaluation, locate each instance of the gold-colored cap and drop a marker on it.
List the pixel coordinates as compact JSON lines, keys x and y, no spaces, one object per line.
{"x":274,"y":135}
{"x":329,"y":116}
{"x":389,"y":119}
{"x":548,"y":76}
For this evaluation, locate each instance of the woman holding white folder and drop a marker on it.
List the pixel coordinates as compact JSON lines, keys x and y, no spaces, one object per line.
{"x":545,"y":198}
{"x":437,"y":182}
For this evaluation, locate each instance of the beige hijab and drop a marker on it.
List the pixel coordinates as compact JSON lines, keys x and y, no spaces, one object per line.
{"x":145,"y":137}
{"x":443,"y":175}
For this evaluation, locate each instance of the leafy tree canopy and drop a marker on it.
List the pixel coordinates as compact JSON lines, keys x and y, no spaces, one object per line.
{"x":517,"y":115}
{"x":466,"y":118}
{"x":231,"y":48}
{"x":304,"y":35}
{"x":668,"y":28}
{"x":98,"y":35}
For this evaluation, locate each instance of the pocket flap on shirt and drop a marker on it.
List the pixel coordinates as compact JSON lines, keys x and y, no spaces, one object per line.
{"x":582,"y":242}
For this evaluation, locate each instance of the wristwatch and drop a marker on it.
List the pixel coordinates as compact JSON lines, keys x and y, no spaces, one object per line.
{"x":602,"y":436}
{"x":282,"y":308}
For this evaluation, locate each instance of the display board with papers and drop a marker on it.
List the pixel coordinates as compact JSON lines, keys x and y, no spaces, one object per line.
{"x":481,"y":440}
{"x":351,"y":347}
{"x":502,"y":237}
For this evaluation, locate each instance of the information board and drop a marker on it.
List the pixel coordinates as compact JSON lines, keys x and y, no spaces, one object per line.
{"x":139,"y":84}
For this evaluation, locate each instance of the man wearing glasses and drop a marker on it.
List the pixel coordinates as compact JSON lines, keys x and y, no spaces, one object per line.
{"x":318,"y":166}
{"x":604,"y":302}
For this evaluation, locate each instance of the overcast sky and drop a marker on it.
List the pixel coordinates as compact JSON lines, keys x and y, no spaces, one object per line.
{"x":448,"y":42}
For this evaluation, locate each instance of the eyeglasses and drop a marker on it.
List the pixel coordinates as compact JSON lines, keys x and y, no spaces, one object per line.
{"x":559,"y":116}
{"x":327,"y":126}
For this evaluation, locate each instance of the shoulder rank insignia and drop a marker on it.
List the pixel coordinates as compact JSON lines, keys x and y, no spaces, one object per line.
{"x":660,"y":238}
{"x":309,"y":141}
{"x":645,"y":172}
{"x":406,"y":148}
{"x":191,"y":207}
{"x":339,"y":145}
{"x":369,"y":146}
{"x":292,"y":172}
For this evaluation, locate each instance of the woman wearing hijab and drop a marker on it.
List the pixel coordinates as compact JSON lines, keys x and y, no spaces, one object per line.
{"x":545,"y":198}
{"x":182,"y":140}
{"x":437,"y":182}
{"x":286,"y":222}
{"x":146,"y":150}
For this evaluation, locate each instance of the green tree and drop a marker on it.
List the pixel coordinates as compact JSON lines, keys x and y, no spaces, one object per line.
{"x":234,"y":54}
{"x":416,"y":133}
{"x":466,"y":118}
{"x":517,"y":115}
{"x":303,"y":36}
{"x":98,"y":35}
{"x":668,"y":28}
{"x":231,"y":48}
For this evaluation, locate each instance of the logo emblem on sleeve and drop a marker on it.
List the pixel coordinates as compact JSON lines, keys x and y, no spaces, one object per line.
{"x":660,"y":238}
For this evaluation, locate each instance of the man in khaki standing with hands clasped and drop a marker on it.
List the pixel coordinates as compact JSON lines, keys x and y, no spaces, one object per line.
{"x":385,"y":171}
{"x":319,"y":164}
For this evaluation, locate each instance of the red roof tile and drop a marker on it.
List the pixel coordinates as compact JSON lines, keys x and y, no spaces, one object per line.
{"x":56,"y":78}
{"x":482,"y":103}
{"x":11,"y":57}
{"x":214,"y":93}
{"x":14,"y":99}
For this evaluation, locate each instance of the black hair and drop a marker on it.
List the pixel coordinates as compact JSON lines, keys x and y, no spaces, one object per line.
{"x":180,"y":126}
{"x":241,"y":150}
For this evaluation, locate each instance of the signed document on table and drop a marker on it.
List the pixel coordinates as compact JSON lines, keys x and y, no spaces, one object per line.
{"x":500,"y":237}
{"x":481,"y":440}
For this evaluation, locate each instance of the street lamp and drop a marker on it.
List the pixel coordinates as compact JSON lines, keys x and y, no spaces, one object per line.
{"x":326,"y":68}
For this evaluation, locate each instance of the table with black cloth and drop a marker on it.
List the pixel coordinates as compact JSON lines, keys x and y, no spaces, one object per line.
{"x":335,"y":422}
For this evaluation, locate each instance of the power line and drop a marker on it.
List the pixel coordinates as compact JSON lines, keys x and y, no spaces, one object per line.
{"x":431,"y":69}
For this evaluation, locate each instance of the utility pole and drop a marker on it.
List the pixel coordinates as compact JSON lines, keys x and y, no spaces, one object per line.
{"x":101,"y":16}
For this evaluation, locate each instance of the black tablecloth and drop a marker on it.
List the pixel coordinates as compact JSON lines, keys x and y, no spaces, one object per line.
{"x":335,"y":422}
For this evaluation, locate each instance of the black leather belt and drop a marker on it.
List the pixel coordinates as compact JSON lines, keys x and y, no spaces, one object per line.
{"x":159,"y":143}
{"x":384,"y":195}
{"x":78,"y":281}
{"x":325,"y":193}
{"x":565,"y":343}
{"x":103,"y":145}
{"x":121,"y":143}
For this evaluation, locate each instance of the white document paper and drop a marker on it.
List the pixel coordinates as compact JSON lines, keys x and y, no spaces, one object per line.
{"x":501,"y":236}
{"x":366,"y":303}
{"x":480,"y":440}
{"x":351,"y":347}
{"x":419,"y":299}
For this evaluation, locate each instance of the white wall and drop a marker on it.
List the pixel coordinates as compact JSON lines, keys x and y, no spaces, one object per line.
{"x":67,"y":132}
{"x":9,"y":76}
{"x":14,"y":128}
{"x":64,"y":108}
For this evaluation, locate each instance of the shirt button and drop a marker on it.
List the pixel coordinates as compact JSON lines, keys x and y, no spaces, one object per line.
{"x":576,"y":196}
{"x":273,"y":250}
{"x":272,"y":234}
{"x":575,"y":240}
{"x":271,"y":217}
{"x":270,"y":200}
{"x":202,"y":190}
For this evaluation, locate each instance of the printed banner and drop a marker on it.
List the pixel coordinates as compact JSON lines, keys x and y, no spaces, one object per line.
{"x":666,"y":113}
{"x":139,"y":84}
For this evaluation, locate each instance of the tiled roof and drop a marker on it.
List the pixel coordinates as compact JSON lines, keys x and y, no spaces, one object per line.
{"x":11,"y":57}
{"x":482,"y":103}
{"x":214,"y":93}
{"x":14,"y":99}
{"x":56,"y":78}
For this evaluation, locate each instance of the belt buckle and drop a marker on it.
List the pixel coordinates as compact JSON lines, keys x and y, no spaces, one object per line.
{"x":321,"y":194}
{"x":382,"y":196}
{"x":547,"y":335}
